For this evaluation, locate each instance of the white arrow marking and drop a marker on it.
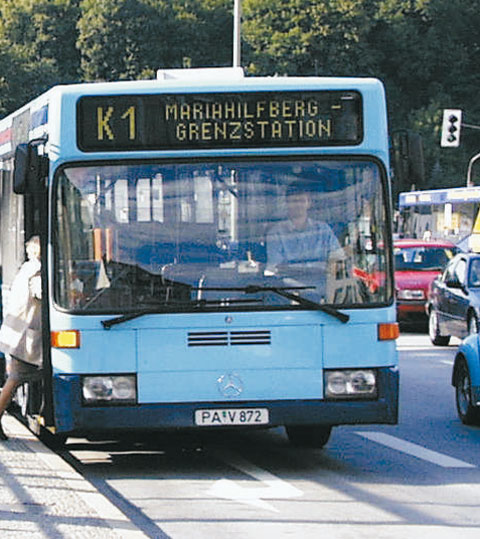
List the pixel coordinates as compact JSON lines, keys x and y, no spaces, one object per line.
{"x":272,"y":486}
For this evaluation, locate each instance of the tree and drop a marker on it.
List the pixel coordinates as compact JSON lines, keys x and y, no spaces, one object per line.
{"x":206,"y":27}
{"x":127,"y":39}
{"x":43,"y":30}
{"x":431,"y":46}
{"x":424,"y":51}
{"x":309,"y":37}
{"x":21,"y":79}
{"x":38,"y":48}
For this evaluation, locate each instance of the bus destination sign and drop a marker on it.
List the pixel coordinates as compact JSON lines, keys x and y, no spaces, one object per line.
{"x":219,"y":120}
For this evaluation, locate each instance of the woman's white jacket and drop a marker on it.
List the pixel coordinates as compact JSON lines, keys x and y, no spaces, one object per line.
{"x":21,"y":330}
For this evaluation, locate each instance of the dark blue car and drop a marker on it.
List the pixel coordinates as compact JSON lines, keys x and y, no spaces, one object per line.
{"x":453,"y":306}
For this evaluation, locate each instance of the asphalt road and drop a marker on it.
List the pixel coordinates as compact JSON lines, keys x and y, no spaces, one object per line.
{"x":418,"y":479}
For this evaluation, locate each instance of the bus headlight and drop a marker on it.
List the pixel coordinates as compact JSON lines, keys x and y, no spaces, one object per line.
{"x":109,"y":389}
{"x":350,"y":383}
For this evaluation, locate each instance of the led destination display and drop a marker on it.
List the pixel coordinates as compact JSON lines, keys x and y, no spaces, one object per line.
{"x":219,"y":120}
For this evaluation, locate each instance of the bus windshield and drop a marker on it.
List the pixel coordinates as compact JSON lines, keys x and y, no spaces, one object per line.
{"x":219,"y":235}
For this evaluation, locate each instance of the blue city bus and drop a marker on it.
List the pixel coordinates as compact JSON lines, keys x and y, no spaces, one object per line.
{"x":171,"y":300}
{"x":448,"y":213}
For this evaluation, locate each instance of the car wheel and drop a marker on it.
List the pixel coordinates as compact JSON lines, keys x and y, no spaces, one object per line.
{"x":472,"y":324}
{"x":434,"y":331}
{"x":467,"y":412}
{"x":315,"y":436}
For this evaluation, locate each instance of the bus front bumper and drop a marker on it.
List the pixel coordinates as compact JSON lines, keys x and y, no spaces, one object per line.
{"x":75,"y":419}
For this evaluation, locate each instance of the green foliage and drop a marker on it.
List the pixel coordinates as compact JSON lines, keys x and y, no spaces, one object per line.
{"x":309,"y":37}
{"x":128,"y":39}
{"x":431,"y":46}
{"x":122,"y":39}
{"x":38,"y":40}
{"x":20,"y":78}
{"x":43,"y":29}
{"x":425,"y":51}
{"x":206,"y":30}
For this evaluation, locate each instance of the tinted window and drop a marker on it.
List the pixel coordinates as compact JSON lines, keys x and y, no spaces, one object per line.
{"x":474,"y":273}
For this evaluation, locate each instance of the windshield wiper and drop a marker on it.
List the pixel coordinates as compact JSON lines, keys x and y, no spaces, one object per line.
{"x":250,"y":289}
{"x":172,"y":307}
{"x":284,"y":292}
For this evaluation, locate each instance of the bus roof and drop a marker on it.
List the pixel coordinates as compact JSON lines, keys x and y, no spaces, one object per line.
{"x":213,"y":83}
{"x":51,"y":114}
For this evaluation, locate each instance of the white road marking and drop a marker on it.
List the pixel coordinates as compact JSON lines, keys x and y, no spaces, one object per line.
{"x":415,"y":450}
{"x":447,"y":361}
{"x":271,"y":487}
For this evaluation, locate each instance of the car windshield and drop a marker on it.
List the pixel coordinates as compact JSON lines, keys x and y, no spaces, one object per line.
{"x":422,"y":258}
{"x":474,"y":273}
{"x":220,"y":235}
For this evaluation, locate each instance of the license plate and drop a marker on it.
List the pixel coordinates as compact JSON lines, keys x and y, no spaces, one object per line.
{"x":218,"y":417}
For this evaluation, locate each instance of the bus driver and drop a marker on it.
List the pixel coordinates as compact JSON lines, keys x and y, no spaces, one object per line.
{"x":300,"y":239}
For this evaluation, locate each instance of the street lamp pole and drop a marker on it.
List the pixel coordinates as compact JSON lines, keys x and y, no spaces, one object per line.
{"x":469,"y":170}
{"x":237,"y":15}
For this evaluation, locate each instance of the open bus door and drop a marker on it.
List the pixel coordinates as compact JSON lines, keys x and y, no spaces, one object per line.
{"x":30,"y":170}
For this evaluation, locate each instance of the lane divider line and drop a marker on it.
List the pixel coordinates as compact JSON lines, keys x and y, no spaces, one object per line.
{"x":415,"y":450}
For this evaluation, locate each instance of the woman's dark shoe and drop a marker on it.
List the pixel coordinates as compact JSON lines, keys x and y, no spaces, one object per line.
{"x":3,"y":436}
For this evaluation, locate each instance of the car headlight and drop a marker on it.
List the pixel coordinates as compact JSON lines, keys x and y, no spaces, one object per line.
{"x":411,"y":294}
{"x":350,"y":383}
{"x":109,"y":389}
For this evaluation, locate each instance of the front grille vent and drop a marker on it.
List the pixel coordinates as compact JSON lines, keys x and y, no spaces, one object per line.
{"x":208,"y":338}
{"x":250,"y":337}
{"x":229,"y":338}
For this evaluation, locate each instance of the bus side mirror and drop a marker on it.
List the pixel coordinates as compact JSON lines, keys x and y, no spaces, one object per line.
{"x":29,"y":169}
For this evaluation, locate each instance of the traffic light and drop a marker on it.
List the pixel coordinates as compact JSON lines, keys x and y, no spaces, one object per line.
{"x":452,"y":121}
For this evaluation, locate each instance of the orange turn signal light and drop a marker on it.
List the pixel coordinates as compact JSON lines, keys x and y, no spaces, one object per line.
{"x":388,"y":331}
{"x":69,"y":338}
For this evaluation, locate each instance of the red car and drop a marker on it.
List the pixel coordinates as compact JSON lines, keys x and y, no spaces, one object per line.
{"x":417,"y":264}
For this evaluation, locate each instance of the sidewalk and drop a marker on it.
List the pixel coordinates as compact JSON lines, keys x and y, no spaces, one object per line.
{"x":43,"y":496}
